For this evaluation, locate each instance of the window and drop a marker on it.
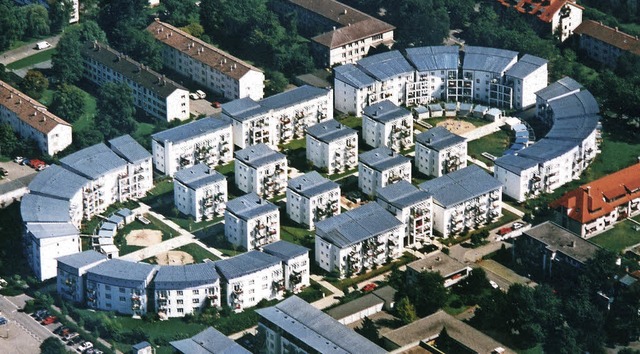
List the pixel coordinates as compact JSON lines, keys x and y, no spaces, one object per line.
{"x":121,"y":290}
{"x":123,"y":299}
{"x":196,"y":292}
{"x":107,"y":287}
{"x":107,"y":296}
{"x":196,"y":301}
{"x":180,"y":302}
{"x":180,"y":310}
{"x":179,"y":292}
{"x":264,"y":286}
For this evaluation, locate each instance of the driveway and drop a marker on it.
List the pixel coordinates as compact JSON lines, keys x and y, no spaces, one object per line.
{"x":26,"y":50}
{"x":23,"y":334}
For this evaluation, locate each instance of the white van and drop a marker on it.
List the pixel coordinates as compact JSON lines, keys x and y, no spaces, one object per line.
{"x":42,"y":45}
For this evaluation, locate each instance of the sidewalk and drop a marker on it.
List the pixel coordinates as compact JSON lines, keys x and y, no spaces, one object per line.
{"x":512,"y":209}
{"x":26,"y":50}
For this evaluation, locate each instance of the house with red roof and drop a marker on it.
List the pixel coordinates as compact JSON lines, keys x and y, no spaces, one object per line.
{"x":559,"y":17}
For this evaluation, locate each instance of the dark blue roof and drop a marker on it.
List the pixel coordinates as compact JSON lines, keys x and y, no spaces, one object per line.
{"x":353,"y":76}
{"x":245,"y":263}
{"x":439,"y":138}
{"x":119,"y":272}
{"x":330,"y":130}
{"x":386,"y":65}
{"x":191,"y":130}
{"x":38,"y":208}
{"x":57,"y":182}
{"x":285,"y":250}
{"x":402,"y":194}
{"x":526,"y":66}
{"x":461,"y":185}
{"x":561,"y":87}
{"x":185,"y":276}
{"x":434,"y":58}
{"x":51,"y":230}
{"x":385,"y":111}
{"x":209,"y":341}
{"x":259,"y":155}
{"x":250,"y":206}
{"x":79,"y":260}
{"x":382,"y":159}
{"x":129,"y":149}
{"x":311,"y":184}
{"x":492,"y":60}
{"x":93,"y":162}
{"x":198,"y":176}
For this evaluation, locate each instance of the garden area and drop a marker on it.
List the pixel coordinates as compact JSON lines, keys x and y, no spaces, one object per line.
{"x":494,"y":144}
{"x":624,"y":234}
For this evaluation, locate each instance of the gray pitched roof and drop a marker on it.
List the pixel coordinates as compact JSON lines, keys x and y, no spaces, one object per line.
{"x":386,"y":65}
{"x":119,"y":272}
{"x":185,"y":276}
{"x":129,"y":149}
{"x":242,"y":108}
{"x":311,"y":184}
{"x":356,"y":225}
{"x":38,"y":208}
{"x":576,"y":104}
{"x":250,"y":206}
{"x":51,"y":230}
{"x":259,"y":155}
{"x":402,"y":194}
{"x":526,"y":66}
{"x":439,"y":138}
{"x":562,"y":240}
{"x":209,"y":341}
{"x":198,"y":176}
{"x":245,"y":263}
{"x":382,"y":159}
{"x":93,"y":162}
{"x":316,"y":329}
{"x":559,"y":88}
{"x":82,"y":259}
{"x":285,"y":250}
{"x":191,"y":130}
{"x":461,"y":185}
{"x":330,"y":130}
{"x":434,"y":58}
{"x":492,"y":60}
{"x":353,"y":76}
{"x":57,"y":182}
{"x":385,"y":112}
{"x":355,"y":306}
{"x":515,"y":164}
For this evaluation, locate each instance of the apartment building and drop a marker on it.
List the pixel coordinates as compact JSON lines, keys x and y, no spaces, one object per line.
{"x":261,"y":170}
{"x":311,"y":198}
{"x":358,"y":239}
{"x":450,"y":269}
{"x":250,"y":278}
{"x":200,"y":191}
{"x":550,"y":17}
{"x":207,"y":140}
{"x":152,"y":92}
{"x":439,"y":151}
{"x":46,"y":241}
{"x":251,"y":222}
{"x":280,"y":118}
{"x":413,"y":207}
{"x":209,"y":341}
{"x":30,"y":120}
{"x":386,"y":124}
{"x":296,"y":326}
{"x":185,"y":289}
{"x":353,"y":89}
{"x":295,"y":264}
{"x":207,"y":65}
{"x":380,"y":167}
{"x":562,"y":88}
{"x":464,"y":200}
{"x":138,"y":179}
{"x":596,"y":206}
{"x":339,"y":33}
{"x":484,"y":67}
{"x":332,"y":146}
{"x":435,"y":68}
{"x":119,"y":286}
{"x":526,"y":77}
{"x":71,"y":279}
{"x":605,"y":44}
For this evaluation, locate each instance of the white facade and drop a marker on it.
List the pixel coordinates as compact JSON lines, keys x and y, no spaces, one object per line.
{"x":311,"y":198}
{"x":71,"y":279}
{"x":295,"y":264}
{"x":412,"y":207}
{"x":566,"y":20}
{"x":44,"y":242}
{"x":439,"y":152}
{"x":200,"y":192}
{"x":385,"y":124}
{"x":251,"y":222}
{"x":182,"y":290}
{"x":528,"y":76}
{"x":261,"y":170}
{"x":332,"y":146}
{"x":380,"y":167}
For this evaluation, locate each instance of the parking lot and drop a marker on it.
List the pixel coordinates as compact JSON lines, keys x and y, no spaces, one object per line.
{"x":202,"y":106}
{"x":15,"y":171}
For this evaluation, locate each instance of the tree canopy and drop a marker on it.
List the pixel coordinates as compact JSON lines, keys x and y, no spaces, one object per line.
{"x":115,"y":110}
{"x":68,"y":103}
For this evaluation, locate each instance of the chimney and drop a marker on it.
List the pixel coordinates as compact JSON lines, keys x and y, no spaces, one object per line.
{"x":589,"y":190}
{"x":617,"y":29}
{"x":573,"y":244}
{"x":344,"y":12}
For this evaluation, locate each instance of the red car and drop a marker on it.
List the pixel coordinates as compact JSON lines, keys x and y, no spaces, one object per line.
{"x":505,"y":230}
{"x":35,"y":163}
{"x":49,"y":320}
{"x":216,"y":104}
{"x":369,"y":287}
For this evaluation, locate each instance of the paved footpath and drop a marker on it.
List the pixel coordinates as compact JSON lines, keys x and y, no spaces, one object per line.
{"x":26,"y":50}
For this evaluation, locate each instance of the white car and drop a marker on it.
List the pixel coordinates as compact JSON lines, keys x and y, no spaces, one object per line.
{"x":194,"y":96}
{"x":84,"y":346}
{"x":201,"y":94}
{"x":493,"y":284}
{"x":18,"y":159}
{"x":43,"y":45}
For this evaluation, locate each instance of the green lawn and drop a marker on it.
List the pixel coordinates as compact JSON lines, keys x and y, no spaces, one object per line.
{"x":494,"y":144}
{"x":218,"y":241}
{"x":623,"y":235}
{"x":295,"y":144}
{"x":351,"y":121}
{"x":86,"y":119}
{"x":198,"y":253}
{"x":32,"y":60}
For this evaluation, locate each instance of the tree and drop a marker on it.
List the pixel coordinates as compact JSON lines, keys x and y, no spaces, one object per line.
{"x":194,"y":29}
{"x":405,"y":311}
{"x":67,"y":61}
{"x":178,"y":12}
{"x":37,"y":19}
{"x":475,"y":283}
{"x":59,"y":14}
{"x":142,"y":47}
{"x":118,"y":17}
{"x":115,"y":110}
{"x":369,"y":330}
{"x":11,"y":25}
{"x":8,"y":140}
{"x":427,"y":293}
{"x":52,"y":345}
{"x":276,"y":82}
{"x":34,"y":83}
{"x":68,"y":103}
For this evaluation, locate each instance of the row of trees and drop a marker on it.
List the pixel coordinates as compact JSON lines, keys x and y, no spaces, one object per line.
{"x":31,"y":21}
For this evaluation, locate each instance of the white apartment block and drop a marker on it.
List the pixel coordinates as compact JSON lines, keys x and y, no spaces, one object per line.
{"x":352,"y":89}
{"x":280,"y":118}
{"x":438,"y":152}
{"x":152,"y":92}
{"x":311,"y":198}
{"x":332,"y":146}
{"x":555,"y":17}
{"x":71,"y":279}
{"x":413,"y":207}
{"x":249,"y":278}
{"x":380,"y":167}
{"x":261,"y":170}
{"x":185,"y":289}
{"x":435,"y":68}
{"x":207,"y":65}
{"x":119,"y":286}
{"x":295,"y":264}
{"x":31,"y":120}
{"x":138,"y":178}
{"x":207,"y":140}
{"x":46,"y":241}
{"x":526,"y":77}
{"x":464,"y":200}
{"x":200,"y":191}
{"x":484,"y":67}
{"x":386,"y":124}
{"x":358,"y":239}
{"x":251,"y":222}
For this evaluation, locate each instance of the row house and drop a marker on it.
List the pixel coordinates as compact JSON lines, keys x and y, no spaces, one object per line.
{"x":280,"y":118}
{"x":207,"y":140}
{"x":439,"y":151}
{"x":550,"y":17}
{"x":311,"y":198}
{"x":605,"y":44}
{"x":385,"y":124}
{"x":413,"y":207}
{"x":138,"y":178}
{"x":464,"y":200}
{"x":70,"y":281}
{"x":209,"y":340}
{"x":358,"y":240}
{"x":29,"y":119}
{"x":485,"y":67}
{"x":380,"y":167}
{"x":295,"y":326}
{"x":153,"y":93}
{"x":436,"y":68}
{"x":251,"y":222}
{"x":261,"y":170}
{"x":450,"y":269}
{"x":250,"y":278}
{"x":119,"y":286}
{"x":598,"y":205}
{"x":200,"y":191}
{"x":295,"y":264}
{"x":185,"y":289}
{"x":207,"y":65}
{"x":332,"y":146}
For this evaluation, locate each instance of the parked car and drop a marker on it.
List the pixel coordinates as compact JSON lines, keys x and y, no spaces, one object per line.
{"x":201,"y":94}
{"x":194,"y":96}
{"x":3,"y":321}
{"x":41,"y":314}
{"x":70,"y":336}
{"x":493,"y":284}
{"x":505,"y":230}
{"x":216,"y":104}
{"x":43,"y":45}
{"x":35,"y":163}
{"x":516,"y":225}
{"x":18,"y":159}
{"x":49,"y":320}
{"x":75,"y":340}
{"x":24,"y":162}
{"x":84,"y":346}
{"x":369,"y":287}
{"x":3,"y":172}
{"x":59,"y":330}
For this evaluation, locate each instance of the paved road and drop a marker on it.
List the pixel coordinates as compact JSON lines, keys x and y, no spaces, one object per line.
{"x":25,"y":51}
{"x":25,"y":334}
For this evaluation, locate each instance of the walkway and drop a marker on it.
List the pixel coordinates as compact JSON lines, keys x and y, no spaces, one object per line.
{"x":484,"y":130}
{"x":480,"y":163}
{"x":26,"y":50}
{"x":512,"y":209}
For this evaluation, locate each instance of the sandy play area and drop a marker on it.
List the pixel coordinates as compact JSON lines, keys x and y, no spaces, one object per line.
{"x":144,"y":237}
{"x":174,"y":258}
{"x":457,"y":126}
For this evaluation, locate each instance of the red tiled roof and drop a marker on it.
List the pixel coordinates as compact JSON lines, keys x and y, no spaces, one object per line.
{"x":544,"y":10}
{"x":28,"y":110}
{"x":609,"y":35}
{"x":600,"y":197}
